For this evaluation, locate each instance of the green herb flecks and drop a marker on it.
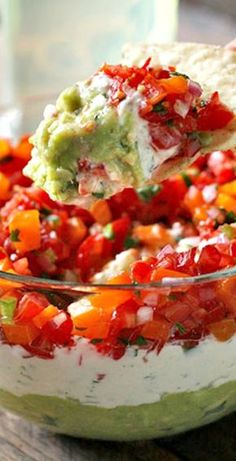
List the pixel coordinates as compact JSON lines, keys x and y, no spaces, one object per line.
{"x":170,"y":123}
{"x":172,"y":297}
{"x":146,"y":193}
{"x":131,"y":242}
{"x":108,"y":232}
{"x":230,"y":217}
{"x":98,"y":194}
{"x":140,"y":341}
{"x":160,"y":108}
{"x":45,"y":211}
{"x":181,"y":328}
{"x":186,"y":179}
{"x":14,"y":235}
{"x":178,"y":74}
{"x":96,"y":340}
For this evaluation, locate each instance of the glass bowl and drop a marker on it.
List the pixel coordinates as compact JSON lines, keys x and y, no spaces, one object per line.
{"x":143,"y":393}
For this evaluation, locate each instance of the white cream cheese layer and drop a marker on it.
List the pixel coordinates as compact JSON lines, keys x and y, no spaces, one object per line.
{"x":83,"y":374}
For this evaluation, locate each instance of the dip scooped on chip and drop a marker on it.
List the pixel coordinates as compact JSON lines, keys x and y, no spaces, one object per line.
{"x":135,"y":124}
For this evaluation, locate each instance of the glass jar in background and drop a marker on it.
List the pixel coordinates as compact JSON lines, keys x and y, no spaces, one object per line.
{"x":50,"y":44}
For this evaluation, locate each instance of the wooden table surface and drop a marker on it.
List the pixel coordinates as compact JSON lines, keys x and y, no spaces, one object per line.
{"x":21,"y":441}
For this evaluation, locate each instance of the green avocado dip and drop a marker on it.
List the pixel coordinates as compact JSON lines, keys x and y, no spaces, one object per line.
{"x":83,"y":126}
{"x":175,"y":413}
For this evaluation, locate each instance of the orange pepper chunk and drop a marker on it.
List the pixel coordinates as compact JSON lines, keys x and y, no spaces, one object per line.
{"x":223,"y":330}
{"x":91,"y":321}
{"x":23,"y":335}
{"x":200,"y":213}
{"x":161,"y":272}
{"x":44,"y":316}
{"x":226,"y":293}
{"x":25,"y":227}
{"x":111,"y":299}
{"x":228,"y":188}
{"x":156,"y":330}
{"x":76,"y":230}
{"x":154,"y":235}
{"x":174,"y":85}
{"x":193,"y":198}
{"x":226,"y":201}
{"x":5,"y":148}
{"x":23,"y":149}
{"x":101,"y":212}
{"x":4,"y":187}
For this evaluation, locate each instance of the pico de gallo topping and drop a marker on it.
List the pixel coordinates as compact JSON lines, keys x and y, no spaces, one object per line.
{"x":186,"y":226}
{"x":120,"y":128}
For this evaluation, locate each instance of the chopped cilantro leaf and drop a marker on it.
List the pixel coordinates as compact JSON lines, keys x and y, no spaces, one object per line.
{"x":230,"y":217}
{"x":178,"y":74}
{"x":146,"y":193}
{"x":160,"y":108}
{"x":187,"y":179}
{"x":181,"y":328}
{"x":170,"y":123}
{"x":96,"y":340}
{"x":172,"y":297}
{"x":98,"y":194}
{"x":108,"y":232}
{"x":14,"y":235}
{"x":45,"y":211}
{"x":140,"y":341}
{"x":130,"y":242}
{"x":53,"y":219}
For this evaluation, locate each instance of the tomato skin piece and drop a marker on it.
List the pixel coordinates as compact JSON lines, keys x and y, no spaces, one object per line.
{"x":30,"y":305}
{"x":214,"y":115}
{"x":141,"y":272}
{"x":209,"y":259}
{"x":58,"y":330}
{"x":92,"y":254}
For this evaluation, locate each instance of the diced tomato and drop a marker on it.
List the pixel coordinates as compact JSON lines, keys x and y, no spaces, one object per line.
{"x":209,"y":259}
{"x":58,"y":330}
{"x":214,"y":115}
{"x":92,"y":254}
{"x":23,"y":149}
{"x":30,"y":305}
{"x":141,"y":272}
{"x":160,"y":272}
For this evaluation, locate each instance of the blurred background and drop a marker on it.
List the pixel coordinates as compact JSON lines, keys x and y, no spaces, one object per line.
{"x":47,"y":44}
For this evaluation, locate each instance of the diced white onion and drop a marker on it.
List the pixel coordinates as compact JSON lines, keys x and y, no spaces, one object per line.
{"x":144,"y":314}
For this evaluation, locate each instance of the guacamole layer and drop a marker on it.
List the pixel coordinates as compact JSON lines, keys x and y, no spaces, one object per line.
{"x":175,"y":413}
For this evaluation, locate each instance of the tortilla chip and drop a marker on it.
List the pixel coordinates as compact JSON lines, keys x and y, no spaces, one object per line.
{"x":213,"y":67}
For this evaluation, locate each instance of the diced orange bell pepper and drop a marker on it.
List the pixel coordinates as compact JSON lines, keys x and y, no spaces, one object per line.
{"x":76,"y":230}
{"x":174,"y":85}
{"x":228,"y":188}
{"x":153,"y":235}
{"x":156,"y":330}
{"x":4,"y":187}
{"x":161,"y":272}
{"x":101,"y":212}
{"x":193,"y":198}
{"x":111,"y":299}
{"x":226,"y":293}
{"x":44,"y":316}
{"x":5,"y":148}
{"x":200,"y":213}
{"x":23,"y":149}
{"x":22,"y":335}
{"x":226,"y":201}
{"x":91,"y":321}
{"x":24,"y":228}
{"x":223,"y":330}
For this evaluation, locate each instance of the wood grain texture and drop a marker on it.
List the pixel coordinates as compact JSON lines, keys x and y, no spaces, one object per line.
{"x":21,"y":441}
